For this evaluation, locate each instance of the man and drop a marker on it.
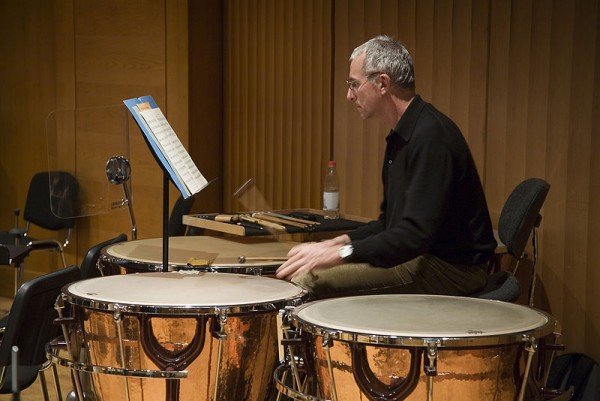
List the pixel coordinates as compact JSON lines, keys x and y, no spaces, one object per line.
{"x":434,"y":234}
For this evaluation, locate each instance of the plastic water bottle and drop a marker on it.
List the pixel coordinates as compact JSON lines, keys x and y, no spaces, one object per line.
{"x":331,"y":193}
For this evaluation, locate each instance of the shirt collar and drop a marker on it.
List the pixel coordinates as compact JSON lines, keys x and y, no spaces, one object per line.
{"x":406,"y":124}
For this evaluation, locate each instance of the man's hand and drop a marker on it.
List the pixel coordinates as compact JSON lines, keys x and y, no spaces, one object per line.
{"x":312,"y":255}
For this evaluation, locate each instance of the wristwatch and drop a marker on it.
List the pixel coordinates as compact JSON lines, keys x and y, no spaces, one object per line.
{"x":346,"y":251}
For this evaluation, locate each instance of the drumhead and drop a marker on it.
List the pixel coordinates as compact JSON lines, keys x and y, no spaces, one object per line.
{"x":400,"y":319}
{"x":221,"y":251}
{"x":183,"y":292}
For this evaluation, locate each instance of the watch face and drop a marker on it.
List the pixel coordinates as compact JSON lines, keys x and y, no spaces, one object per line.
{"x":345,"y":251}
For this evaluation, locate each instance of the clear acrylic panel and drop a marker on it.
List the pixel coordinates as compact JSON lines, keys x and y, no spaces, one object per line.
{"x":81,"y":142}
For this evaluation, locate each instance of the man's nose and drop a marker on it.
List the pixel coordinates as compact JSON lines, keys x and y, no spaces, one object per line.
{"x":350,"y":95}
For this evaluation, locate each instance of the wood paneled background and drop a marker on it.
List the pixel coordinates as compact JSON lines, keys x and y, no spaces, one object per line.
{"x":68,"y":54}
{"x":277,"y":102}
{"x":521,"y":78}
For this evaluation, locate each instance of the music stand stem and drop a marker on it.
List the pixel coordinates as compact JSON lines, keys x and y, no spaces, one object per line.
{"x":165,"y":266}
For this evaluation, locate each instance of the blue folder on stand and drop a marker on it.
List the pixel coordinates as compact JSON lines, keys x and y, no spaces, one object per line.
{"x":178,"y":165}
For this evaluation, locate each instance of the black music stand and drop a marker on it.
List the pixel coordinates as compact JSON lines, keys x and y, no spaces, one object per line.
{"x":174,"y":161}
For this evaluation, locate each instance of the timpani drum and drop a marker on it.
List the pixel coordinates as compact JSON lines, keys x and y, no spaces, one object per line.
{"x":243,"y":255}
{"x":409,"y":347}
{"x":211,"y":336}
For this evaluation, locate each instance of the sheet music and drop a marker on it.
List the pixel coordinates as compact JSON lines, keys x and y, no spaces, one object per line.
{"x":173,"y":149}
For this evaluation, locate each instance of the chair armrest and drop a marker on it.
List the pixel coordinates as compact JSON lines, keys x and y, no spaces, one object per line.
{"x":49,"y":244}
{"x":45,"y":244}
{"x":19,"y":232}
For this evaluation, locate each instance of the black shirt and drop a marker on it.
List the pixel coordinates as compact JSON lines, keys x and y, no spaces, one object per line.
{"x":433,"y":199}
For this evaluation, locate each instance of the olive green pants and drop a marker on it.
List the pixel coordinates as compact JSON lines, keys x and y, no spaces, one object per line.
{"x":425,"y":274}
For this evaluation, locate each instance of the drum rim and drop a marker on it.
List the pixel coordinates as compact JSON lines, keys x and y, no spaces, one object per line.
{"x":174,"y":267}
{"x":182,"y":310}
{"x":475,"y":340}
{"x":152,"y":267}
{"x":156,"y":266}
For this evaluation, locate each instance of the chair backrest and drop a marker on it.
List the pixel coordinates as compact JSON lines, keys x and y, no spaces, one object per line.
{"x":520,"y":213}
{"x":51,"y":200}
{"x":88,"y":265}
{"x":30,"y":321}
{"x":180,"y":208}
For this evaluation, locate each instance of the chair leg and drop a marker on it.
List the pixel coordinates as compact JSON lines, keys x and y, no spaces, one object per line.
{"x":21,"y":273}
{"x":56,"y":382}
{"x":18,"y":276}
{"x":533,"y":268}
{"x":16,"y":280}
{"x":62,"y":257}
{"x":42,"y":375}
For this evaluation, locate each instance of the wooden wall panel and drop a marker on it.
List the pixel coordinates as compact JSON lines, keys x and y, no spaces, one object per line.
{"x":29,"y":90}
{"x":277,"y":92}
{"x":448,"y":42}
{"x":592,"y":268}
{"x":116,"y":60}
{"x":543,"y":78}
{"x":79,"y":54}
{"x":206,"y":31}
{"x":499,"y":98}
{"x":557,"y":151}
{"x":584,"y":17}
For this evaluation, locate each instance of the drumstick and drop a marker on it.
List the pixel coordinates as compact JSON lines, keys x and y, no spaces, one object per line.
{"x":227,"y":218}
{"x":290,"y":218}
{"x":278,"y":220}
{"x":247,"y":224}
{"x":243,"y":258}
{"x":264,"y":223}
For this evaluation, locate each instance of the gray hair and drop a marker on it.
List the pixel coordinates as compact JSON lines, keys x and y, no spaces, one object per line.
{"x":389,"y":56}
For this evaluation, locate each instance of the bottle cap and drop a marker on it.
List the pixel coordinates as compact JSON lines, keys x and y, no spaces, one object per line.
{"x":331,"y":163}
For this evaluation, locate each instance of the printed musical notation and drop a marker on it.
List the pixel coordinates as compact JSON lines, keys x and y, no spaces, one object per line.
{"x":166,"y":145}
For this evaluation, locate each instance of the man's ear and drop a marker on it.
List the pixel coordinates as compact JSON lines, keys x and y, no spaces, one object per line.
{"x":385,"y":83}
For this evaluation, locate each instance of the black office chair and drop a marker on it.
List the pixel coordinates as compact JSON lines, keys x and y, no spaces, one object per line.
{"x":501,"y":286}
{"x":89,"y":268}
{"x":180,"y":208}
{"x":518,"y":221}
{"x":50,"y":204}
{"x":30,"y":327}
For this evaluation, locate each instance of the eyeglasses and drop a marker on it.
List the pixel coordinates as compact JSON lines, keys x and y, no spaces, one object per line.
{"x":355,"y":86}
